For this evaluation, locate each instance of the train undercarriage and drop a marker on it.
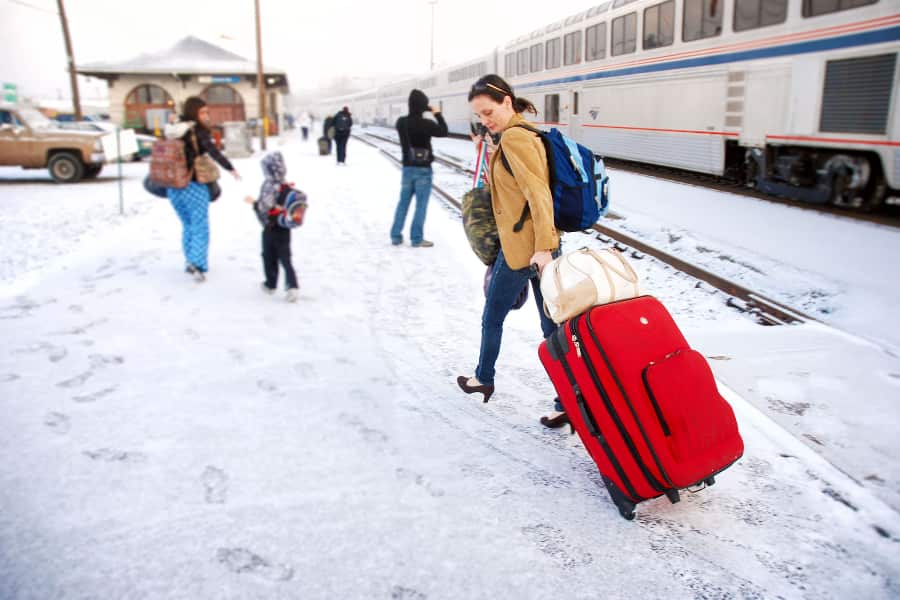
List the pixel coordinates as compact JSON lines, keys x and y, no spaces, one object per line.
{"x":844,"y":178}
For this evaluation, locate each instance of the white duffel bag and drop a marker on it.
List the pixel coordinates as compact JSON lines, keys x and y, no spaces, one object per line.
{"x":576,"y":281}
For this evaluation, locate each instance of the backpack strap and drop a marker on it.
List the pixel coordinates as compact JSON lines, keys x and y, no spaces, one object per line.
{"x":525,"y":211}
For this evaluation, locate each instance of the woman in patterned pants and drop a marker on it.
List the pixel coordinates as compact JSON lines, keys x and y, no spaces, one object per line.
{"x":191,"y":203}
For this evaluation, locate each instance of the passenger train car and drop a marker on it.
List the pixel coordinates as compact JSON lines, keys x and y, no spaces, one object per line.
{"x":795,"y":97}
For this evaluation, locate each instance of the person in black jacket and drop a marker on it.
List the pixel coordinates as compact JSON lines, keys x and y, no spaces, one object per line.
{"x":342,"y":123}
{"x":415,"y":133}
{"x":192,"y":202}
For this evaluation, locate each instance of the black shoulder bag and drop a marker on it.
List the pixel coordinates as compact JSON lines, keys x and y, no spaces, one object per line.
{"x":418,"y":157}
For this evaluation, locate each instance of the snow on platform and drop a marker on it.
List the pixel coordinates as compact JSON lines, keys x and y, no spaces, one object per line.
{"x":164,"y":439}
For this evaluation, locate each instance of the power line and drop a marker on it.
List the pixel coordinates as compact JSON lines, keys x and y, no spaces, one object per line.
{"x":32,"y":6}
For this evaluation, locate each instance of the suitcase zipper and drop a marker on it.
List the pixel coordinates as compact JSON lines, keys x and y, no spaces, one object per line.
{"x":653,"y":401}
{"x":588,"y":417}
{"x":672,"y":491}
{"x":620,"y":426}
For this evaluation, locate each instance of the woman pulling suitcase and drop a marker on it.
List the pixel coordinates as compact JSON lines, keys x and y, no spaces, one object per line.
{"x":525,"y":251}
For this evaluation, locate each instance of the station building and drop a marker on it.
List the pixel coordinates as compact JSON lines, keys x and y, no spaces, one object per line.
{"x":143,"y":90}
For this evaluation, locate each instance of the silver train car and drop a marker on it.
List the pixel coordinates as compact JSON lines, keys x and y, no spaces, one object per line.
{"x":797,"y":98}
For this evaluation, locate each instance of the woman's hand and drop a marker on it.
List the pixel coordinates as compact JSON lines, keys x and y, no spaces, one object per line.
{"x":235,"y":174}
{"x":541,"y":258}
{"x":487,"y":139}
{"x":249,"y":199}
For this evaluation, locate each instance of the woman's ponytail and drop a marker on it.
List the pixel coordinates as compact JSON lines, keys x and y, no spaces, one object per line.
{"x":523,"y":105}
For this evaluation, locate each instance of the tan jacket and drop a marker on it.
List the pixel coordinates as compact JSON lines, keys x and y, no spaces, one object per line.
{"x":529,"y":183}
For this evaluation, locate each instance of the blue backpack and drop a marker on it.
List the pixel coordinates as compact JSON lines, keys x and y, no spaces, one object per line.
{"x":579,"y":183}
{"x":292,"y":203}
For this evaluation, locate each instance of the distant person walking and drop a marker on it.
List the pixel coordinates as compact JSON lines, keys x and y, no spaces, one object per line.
{"x":342,"y":123}
{"x":415,"y":133}
{"x":191,"y":203}
{"x":305,"y":122}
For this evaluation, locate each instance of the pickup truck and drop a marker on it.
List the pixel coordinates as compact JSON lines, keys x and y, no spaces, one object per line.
{"x":29,"y":140}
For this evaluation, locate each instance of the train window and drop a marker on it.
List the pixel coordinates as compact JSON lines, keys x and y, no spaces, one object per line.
{"x":537,"y":58}
{"x":814,"y":8}
{"x":553,"y":53}
{"x":572,"y":48}
{"x":624,"y":34}
{"x":659,"y":25}
{"x":595,"y":42}
{"x":751,"y":14}
{"x":551,"y":108}
{"x":510,"y":64}
{"x":702,"y":19}
{"x":522,"y":60}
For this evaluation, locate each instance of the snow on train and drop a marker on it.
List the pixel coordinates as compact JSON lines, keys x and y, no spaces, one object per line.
{"x":794,"y":97}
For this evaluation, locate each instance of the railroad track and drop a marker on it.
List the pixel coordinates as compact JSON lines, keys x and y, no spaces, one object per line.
{"x":888,"y":215}
{"x":764,"y":309}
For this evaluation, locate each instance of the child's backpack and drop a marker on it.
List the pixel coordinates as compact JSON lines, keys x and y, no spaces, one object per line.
{"x":168,"y":165}
{"x":292,"y":203}
{"x":579,"y":183}
{"x":289,"y":210}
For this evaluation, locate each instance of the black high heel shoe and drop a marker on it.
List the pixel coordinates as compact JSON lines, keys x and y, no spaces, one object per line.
{"x":558,"y":421}
{"x":487,"y":390}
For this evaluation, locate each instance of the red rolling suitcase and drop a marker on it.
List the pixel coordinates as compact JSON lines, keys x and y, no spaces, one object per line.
{"x":643,"y":402}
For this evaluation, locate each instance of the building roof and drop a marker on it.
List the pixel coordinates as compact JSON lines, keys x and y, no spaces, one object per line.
{"x":190,"y":56}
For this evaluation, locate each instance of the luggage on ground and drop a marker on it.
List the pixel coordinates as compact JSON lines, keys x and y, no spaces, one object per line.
{"x":644,"y":403}
{"x":576,"y":281}
{"x":324,"y":146}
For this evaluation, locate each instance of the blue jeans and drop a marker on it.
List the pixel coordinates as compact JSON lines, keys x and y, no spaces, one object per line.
{"x":415,"y":180}
{"x":501,"y":295}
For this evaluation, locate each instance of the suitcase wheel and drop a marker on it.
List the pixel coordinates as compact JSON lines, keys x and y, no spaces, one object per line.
{"x":709,"y":481}
{"x":625,"y":506}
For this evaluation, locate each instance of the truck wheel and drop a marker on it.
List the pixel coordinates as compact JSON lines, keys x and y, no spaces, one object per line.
{"x":91,"y":171}
{"x":65,"y":168}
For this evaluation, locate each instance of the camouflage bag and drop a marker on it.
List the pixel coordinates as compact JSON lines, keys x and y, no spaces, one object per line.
{"x":479,"y":224}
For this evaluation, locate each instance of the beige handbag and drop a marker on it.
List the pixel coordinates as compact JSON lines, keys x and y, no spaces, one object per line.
{"x":576,"y":281}
{"x":205,"y":168}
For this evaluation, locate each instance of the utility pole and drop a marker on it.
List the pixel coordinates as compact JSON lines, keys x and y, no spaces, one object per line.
{"x":73,"y":77}
{"x":432,"y":3}
{"x":260,"y":82}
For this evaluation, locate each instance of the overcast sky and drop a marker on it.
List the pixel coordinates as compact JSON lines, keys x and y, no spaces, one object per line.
{"x":312,"y":41}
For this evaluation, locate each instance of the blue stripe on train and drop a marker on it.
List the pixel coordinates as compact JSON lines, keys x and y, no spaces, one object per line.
{"x":832,"y":43}
{"x":847,"y":41}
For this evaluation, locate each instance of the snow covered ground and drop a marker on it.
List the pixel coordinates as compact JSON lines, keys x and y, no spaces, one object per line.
{"x":165,"y":439}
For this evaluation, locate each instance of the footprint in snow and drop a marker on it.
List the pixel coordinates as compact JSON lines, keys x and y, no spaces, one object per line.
{"x":94,"y":396}
{"x":58,"y":422}
{"x":104,"y":360}
{"x":76,"y":381}
{"x":113,"y":455}
{"x":552,"y":542}
{"x":215,"y":482}
{"x":402,"y":593}
{"x":241,"y":560}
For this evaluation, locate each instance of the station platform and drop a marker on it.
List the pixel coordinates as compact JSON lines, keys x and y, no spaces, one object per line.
{"x":164,"y":438}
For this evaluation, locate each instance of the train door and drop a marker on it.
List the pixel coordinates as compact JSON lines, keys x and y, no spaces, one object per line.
{"x":551,"y":110}
{"x":575,"y":110}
